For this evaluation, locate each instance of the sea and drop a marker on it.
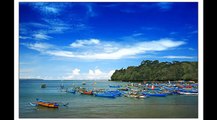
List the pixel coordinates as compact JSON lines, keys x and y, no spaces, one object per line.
{"x":88,"y":106}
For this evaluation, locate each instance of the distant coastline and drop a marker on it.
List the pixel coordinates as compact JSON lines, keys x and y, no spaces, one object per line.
{"x":30,"y":79}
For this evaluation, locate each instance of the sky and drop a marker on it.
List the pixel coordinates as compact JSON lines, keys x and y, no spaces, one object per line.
{"x":90,"y":40}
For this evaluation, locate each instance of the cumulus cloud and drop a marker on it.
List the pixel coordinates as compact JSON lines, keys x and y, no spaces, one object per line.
{"x":76,"y":71}
{"x":96,"y":74}
{"x":41,"y":47}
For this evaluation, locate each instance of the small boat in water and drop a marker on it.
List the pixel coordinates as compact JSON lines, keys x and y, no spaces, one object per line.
{"x":43,"y":85}
{"x":108,"y":95}
{"x":187,"y":93}
{"x":45,"y":104}
{"x":71,"y":91}
{"x":87,"y":92}
{"x":155,"y":94}
{"x":114,"y":86}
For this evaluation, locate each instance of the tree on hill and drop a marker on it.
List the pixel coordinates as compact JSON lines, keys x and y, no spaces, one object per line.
{"x":155,"y":70}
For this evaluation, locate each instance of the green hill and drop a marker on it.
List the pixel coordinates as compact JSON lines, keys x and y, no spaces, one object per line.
{"x":158,"y":71}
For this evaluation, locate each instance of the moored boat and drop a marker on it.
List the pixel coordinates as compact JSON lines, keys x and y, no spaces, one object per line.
{"x":155,"y":94}
{"x":45,"y":104}
{"x":114,"y":86}
{"x":87,"y":92}
{"x":108,"y":95}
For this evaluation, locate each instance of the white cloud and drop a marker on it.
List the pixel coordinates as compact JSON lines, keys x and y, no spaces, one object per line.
{"x":89,"y":49}
{"x":76,"y":71}
{"x":80,"y":43}
{"x":51,"y":9}
{"x":41,"y":36}
{"x":41,"y":47}
{"x":48,"y":8}
{"x":24,"y":37}
{"x":137,"y":34}
{"x":178,"y":57}
{"x":96,"y":74}
{"x":60,"y":53}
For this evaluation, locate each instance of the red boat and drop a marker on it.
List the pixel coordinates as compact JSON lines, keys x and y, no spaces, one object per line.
{"x":45,"y":103}
{"x":87,"y":92}
{"x":48,"y":104}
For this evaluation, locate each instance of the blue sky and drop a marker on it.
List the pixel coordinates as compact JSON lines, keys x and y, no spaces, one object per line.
{"x":91,"y":40}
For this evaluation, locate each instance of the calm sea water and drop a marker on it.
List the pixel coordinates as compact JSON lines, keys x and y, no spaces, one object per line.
{"x":85,"y":106}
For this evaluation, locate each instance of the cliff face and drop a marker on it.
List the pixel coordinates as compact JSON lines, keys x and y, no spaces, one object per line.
{"x":155,"y":70}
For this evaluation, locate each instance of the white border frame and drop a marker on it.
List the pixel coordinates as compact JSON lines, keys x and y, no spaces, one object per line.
{"x":16,"y":51}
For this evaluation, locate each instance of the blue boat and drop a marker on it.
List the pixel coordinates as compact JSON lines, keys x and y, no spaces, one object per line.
{"x":113,"y":86}
{"x":116,"y":93}
{"x":155,"y":94}
{"x":71,"y":91}
{"x":108,"y":95}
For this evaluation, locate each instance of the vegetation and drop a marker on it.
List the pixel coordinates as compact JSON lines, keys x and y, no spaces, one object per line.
{"x":159,"y":71}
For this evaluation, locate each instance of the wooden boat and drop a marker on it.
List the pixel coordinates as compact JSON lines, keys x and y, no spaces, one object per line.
{"x":108,"y":95}
{"x":43,"y":85}
{"x":47,"y":104}
{"x":187,"y":93}
{"x":135,"y":96}
{"x":87,"y":92}
{"x":71,"y":91}
{"x":116,"y":93}
{"x":123,"y":89}
{"x":155,"y":94}
{"x":113,"y":86}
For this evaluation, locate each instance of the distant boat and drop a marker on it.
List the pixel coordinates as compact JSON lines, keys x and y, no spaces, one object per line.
{"x":83,"y":83}
{"x":155,"y":94}
{"x":108,"y":95}
{"x":87,"y":92}
{"x":43,"y":85}
{"x":187,"y":93}
{"x":71,"y":91}
{"x":114,"y":86}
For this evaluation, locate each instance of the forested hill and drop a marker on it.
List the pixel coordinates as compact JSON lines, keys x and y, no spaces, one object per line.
{"x":155,"y":70}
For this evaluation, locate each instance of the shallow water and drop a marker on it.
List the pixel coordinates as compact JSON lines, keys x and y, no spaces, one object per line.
{"x":86,"y":106}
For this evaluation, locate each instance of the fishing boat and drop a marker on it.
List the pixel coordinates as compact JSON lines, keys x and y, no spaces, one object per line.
{"x":43,"y":85}
{"x":71,"y":91}
{"x":187,"y":93}
{"x":136,"y":96}
{"x":45,"y":104}
{"x":83,"y":83}
{"x":123,"y":89}
{"x":114,"y":86}
{"x":116,"y":93}
{"x":87,"y":92}
{"x":154,"y":94}
{"x":108,"y":95}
